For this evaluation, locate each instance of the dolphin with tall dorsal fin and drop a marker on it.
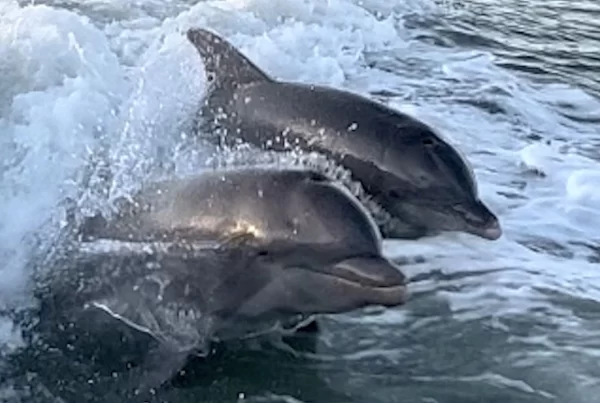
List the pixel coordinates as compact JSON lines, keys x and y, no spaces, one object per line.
{"x":420,"y":181}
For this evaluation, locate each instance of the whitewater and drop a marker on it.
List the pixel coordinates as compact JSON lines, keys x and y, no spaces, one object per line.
{"x":97,"y":96}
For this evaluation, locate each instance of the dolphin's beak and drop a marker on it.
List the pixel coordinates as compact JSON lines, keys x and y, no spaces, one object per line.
{"x":491,"y":231}
{"x":337,"y":287}
{"x":380,"y":280}
{"x":486,"y":225}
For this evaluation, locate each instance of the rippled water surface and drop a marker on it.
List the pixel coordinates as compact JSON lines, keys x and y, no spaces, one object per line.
{"x":514,"y":84}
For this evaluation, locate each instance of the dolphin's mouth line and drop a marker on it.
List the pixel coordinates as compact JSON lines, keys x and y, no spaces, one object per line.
{"x":369,"y":282}
{"x":489,"y":232}
{"x":381,"y":294}
{"x":396,"y":291}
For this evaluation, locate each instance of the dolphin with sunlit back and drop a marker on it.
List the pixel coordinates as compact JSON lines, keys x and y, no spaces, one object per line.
{"x":224,"y":255}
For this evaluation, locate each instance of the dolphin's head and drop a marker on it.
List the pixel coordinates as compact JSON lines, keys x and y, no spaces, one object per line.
{"x":357,"y":282}
{"x":427,"y":187}
{"x":429,"y":218}
{"x":309,"y":279}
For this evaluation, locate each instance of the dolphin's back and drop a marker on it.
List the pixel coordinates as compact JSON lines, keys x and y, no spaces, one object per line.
{"x":295,"y":205}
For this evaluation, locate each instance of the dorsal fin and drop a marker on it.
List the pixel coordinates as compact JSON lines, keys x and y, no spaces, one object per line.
{"x":227,"y":64}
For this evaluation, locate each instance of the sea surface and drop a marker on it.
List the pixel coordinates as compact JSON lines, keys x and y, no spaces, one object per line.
{"x":88,"y":86}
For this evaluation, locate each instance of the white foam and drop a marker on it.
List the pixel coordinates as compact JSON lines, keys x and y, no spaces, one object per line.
{"x":60,"y":84}
{"x":582,"y":187}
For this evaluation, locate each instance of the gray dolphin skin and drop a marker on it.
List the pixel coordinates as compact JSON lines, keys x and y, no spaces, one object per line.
{"x":269,"y":204}
{"x":413,"y":174}
{"x":224,"y":255}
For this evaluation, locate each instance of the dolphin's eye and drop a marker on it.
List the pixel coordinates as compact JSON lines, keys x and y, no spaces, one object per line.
{"x":428,"y":142}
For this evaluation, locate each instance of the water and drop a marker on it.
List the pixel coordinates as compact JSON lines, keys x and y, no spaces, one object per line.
{"x":514,"y":84}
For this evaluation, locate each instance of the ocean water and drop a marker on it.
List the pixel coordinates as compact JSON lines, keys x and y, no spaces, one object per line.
{"x":515,"y":85}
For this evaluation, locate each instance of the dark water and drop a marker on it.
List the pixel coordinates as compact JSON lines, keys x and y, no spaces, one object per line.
{"x":548,"y":41}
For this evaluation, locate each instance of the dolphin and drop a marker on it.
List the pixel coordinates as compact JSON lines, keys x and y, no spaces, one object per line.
{"x":417,"y":178}
{"x":168,"y":267}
